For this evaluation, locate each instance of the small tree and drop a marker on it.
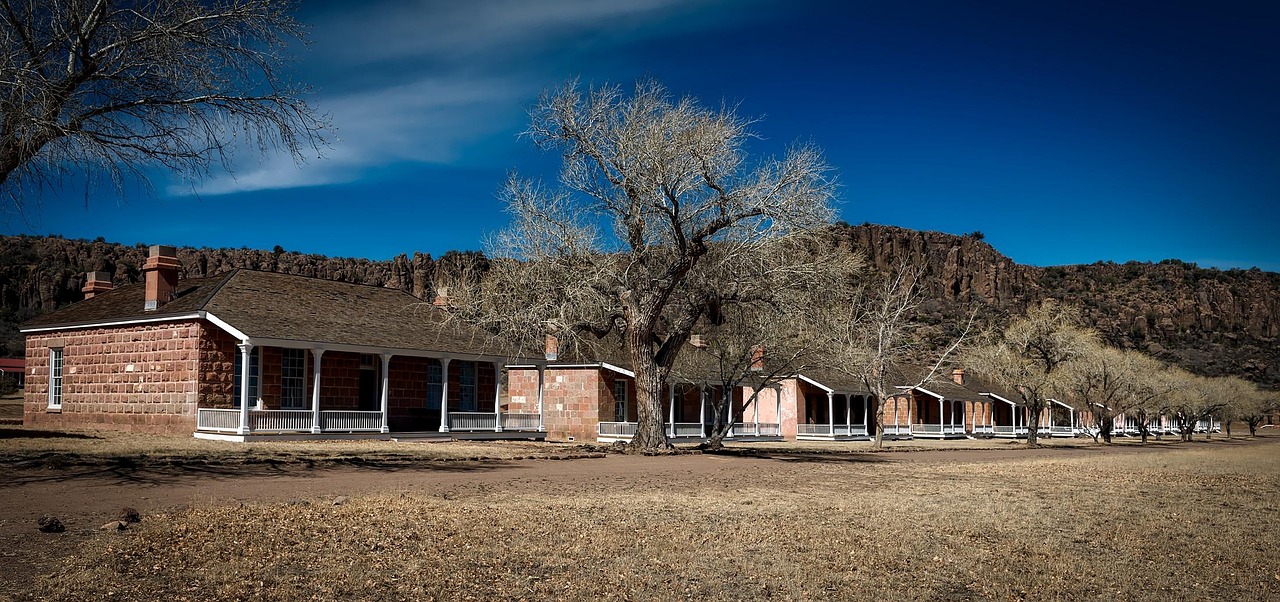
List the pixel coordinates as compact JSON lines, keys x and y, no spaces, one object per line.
{"x":1030,"y":354}
{"x":650,"y":186}
{"x":117,"y":87}
{"x":1257,"y":407}
{"x":1097,"y":380}
{"x":1195,"y":398}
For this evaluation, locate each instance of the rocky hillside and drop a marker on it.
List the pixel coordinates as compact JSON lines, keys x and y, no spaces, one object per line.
{"x":1210,"y":321}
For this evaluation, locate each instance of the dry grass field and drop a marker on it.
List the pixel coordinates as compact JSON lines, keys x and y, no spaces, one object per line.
{"x":1170,"y":522}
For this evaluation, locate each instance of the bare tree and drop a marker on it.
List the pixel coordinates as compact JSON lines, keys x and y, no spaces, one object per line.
{"x":1257,"y":407}
{"x":1098,"y":381}
{"x":1030,"y":354}
{"x":113,"y":87}
{"x":1196,"y":398}
{"x":878,"y":337}
{"x":649,"y":187}
{"x":756,"y":345}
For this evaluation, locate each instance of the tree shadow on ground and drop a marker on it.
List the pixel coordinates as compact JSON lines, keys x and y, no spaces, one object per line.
{"x":172,"y":471}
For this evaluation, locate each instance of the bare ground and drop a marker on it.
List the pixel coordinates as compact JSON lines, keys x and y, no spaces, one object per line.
{"x":1176,"y":520}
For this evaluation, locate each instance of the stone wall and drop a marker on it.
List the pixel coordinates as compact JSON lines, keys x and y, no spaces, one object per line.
{"x":574,"y":400}
{"x":136,"y":378}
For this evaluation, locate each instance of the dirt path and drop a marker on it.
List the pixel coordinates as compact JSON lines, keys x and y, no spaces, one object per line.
{"x":84,"y":498}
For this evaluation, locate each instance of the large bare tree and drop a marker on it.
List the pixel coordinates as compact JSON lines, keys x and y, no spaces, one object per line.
{"x":115,"y":87}
{"x":650,"y":186}
{"x":1030,"y":354}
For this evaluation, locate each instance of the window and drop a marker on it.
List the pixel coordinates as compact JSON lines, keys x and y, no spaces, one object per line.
{"x":253,"y":377}
{"x":435,"y":384}
{"x":55,"y":378}
{"x":467,"y":386}
{"x":619,"y":400}
{"x":293,"y":379}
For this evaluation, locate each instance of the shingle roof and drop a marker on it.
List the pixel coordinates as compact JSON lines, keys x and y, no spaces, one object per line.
{"x":268,"y":305}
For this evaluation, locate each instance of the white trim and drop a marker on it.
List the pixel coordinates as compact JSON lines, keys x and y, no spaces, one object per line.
{"x":815,"y":383}
{"x":83,"y":325}
{"x":231,"y":330}
{"x":617,"y":369}
{"x":906,"y":388}
{"x":1060,"y":403}
{"x":1012,"y":403}
{"x":372,"y":349}
{"x":604,"y":365}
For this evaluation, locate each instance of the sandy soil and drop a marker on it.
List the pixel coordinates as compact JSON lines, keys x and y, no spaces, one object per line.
{"x":84,"y":498}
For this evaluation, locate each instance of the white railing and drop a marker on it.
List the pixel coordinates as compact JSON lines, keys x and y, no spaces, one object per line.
{"x":1009,"y":430}
{"x":827,"y":430}
{"x":279,"y":420}
{"x":897,"y":429}
{"x":473,"y":421}
{"x":617,"y":429}
{"x":686,"y":429}
{"x":770,"y":429}
{"x":937,"y":429}
{"x":519,"y":422}
{"x":350,"y":420}
{"x":979,"y":429}
{"x":1062,"y":429}
{"x":209,"y":419}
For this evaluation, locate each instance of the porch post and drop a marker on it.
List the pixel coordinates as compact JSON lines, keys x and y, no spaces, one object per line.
{"x":831,"y":412}
{"x":497,"y":397}
{"x":777,"y":404}
{"x":671,"y":410}
{"x":731,"y":413}
{"x":315,"y":389}
{"x":942,"y":429}
{"x":702,"y":411}
{"x":444,"y":394}
{"x":386,"y":380}
{"x":246,"y":349}
{"x":542,"y":368}
{"x":866,"y":414}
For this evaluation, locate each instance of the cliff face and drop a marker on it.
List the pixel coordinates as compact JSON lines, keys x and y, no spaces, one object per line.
{"x":1210,"y":321}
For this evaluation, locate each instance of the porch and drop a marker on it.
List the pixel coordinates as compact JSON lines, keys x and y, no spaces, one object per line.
{"x":1009,"y":419}
{"x":353,"y":394}
{"x":829,"y":414}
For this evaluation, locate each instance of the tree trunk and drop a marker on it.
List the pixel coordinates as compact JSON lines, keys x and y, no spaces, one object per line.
{"x":1253,"y":429}
{"x":879,"y":442}
{"x":651,"y":387}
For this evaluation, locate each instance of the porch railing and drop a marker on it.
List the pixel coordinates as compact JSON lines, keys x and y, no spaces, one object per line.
{"x":982,"y":428}
{"x":617,"y":429}
{"x":350,"y":420}
{"x":937,"y":429}
{"x":1008,"y":430}
{"x":473,"y":421}
{"x":770,"y":429}
{"x":279,"y":421}
{"x":211,"y":419}
{"x":1062,"y":429}
{"x":897,"y":429}
{"x":519,"y":422}
{"x":686,"y":429}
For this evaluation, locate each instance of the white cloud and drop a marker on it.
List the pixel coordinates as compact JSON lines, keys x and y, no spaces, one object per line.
{"x":418,"y":82}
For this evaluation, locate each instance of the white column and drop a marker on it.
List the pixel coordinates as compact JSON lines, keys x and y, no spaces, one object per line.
{"x":315,"y":389}
{"x":444,"y":394}
{"x":731,"y":413}
{"x":386,"y":380}
{"x":497,"y":397}
{"x":777,"y":406}
{"x":831,"y":412}
{"x":942,"y":428}
{"x":246,"y":350}
{"x":542,"y":369}
{"x":702,"y":411}
{"x":671,"y":410}
{"x":866,"y":413}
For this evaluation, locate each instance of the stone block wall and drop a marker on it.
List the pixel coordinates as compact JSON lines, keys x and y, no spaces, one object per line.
{"x":143,"y":378}
{"x":573,"y":400}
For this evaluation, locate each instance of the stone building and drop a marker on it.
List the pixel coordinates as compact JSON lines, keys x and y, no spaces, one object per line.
{"x":245,"y":354}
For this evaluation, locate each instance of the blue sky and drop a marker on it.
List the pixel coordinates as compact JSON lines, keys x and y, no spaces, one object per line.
{"x":1067,"y":132}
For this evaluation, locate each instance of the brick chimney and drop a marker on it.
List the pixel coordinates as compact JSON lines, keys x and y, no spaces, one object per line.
{"x":96,"y":282}
{"x":161,"y":270}
{"x":553,"y":348}
{"x":757,"y":358}
{"x":957,"y":376}
{"x":442,"y":297}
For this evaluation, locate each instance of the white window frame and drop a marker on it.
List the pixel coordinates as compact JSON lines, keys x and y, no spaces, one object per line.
{"x":619,"y":400}
{"x":293,"y":379}
{"x":57,"y":361}
{"x":255,"y":378}
{"x":435,"y":384}
{"x":467,"y":377}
